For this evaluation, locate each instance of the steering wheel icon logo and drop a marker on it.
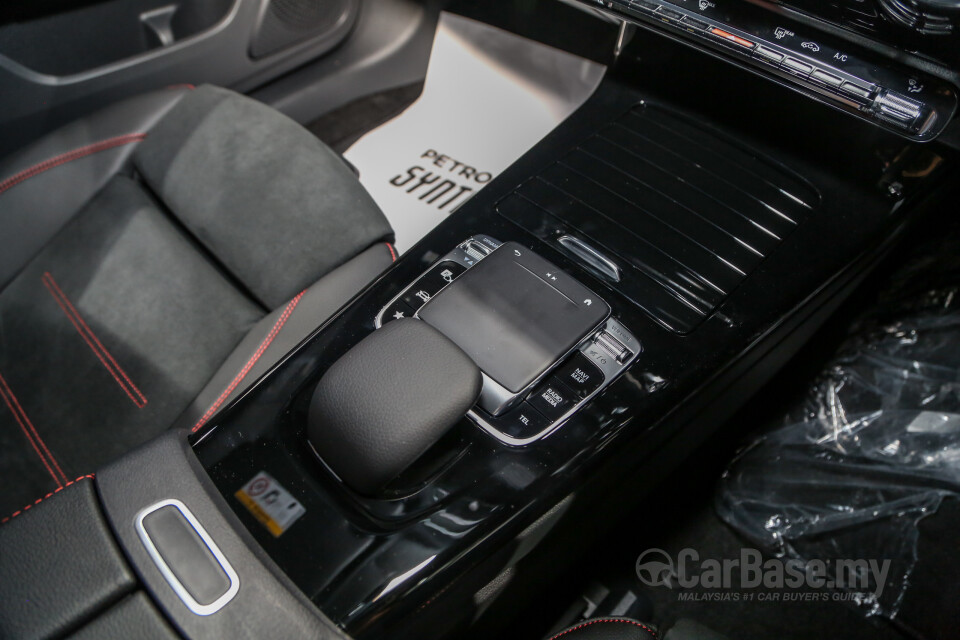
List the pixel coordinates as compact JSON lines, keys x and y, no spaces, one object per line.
{"x":655,"y":568}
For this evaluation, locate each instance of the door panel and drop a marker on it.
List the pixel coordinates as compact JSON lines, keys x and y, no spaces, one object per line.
{"x":57,"y":67}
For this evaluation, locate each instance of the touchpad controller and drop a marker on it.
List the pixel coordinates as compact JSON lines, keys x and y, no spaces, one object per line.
{"x":545,"y":343}
{"x":516,"y":315}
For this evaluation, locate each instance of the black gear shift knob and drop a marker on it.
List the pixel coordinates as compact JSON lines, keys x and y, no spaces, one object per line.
{"x":387,"y":400}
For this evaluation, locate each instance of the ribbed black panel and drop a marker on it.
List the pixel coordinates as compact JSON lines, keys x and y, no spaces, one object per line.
{"x":685,"y":212}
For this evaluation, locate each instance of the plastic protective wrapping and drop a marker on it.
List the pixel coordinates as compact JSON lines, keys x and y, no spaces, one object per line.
{"x":875,"y":446}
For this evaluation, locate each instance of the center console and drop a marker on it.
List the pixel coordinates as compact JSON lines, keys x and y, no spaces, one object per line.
{"x":545,"y":343}
{"x":622,"y":288}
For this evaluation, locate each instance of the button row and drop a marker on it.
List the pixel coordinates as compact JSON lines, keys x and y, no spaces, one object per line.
{"x":879,"y":99}
{"x":421,"y":291}
{"x":808,"y":71}
{"x":794,"y":66}
{"x":572,"y":383}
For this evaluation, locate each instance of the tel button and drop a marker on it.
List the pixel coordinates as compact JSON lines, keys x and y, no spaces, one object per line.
{"x":523,"y":422}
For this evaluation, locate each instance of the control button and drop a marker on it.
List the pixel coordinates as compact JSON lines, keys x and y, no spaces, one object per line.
{"x":796,"y":66}
{"x":693,"y":23}
{"x":669,"y":13}
{"x":477,"y":249}
{"x":440,"y":276}
{"x":623,"y":336}
{"x":417,"y":296}
{"x":768,"y":55}
{"x":825,"y":78}
{"x":580,"y":375}
{"x":898,"y":107}
{"x":855,"y":90}
{"x":523,"y":422}
{"x":729,"y":37}
{"x":552,"y":399}
{"x":431,"y":282}
{"x":399,"y":310}
{"x":599,"y":356}
{"x":613,"y":346}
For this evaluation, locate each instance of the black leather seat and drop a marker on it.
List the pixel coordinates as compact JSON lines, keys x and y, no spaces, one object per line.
{"x":611,"y":628}
{"x":620,"y":628}
{"x":156,"y":258}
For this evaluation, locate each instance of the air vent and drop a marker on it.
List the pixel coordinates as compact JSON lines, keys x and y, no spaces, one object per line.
{"x":686,"y":212}
{"x":921,"y":17}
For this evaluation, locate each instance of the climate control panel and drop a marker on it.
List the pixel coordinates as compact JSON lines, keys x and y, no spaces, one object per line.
{"x":906,"y":102}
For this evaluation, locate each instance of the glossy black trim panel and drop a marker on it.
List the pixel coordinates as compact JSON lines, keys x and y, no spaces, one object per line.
{"x":377,"y":566}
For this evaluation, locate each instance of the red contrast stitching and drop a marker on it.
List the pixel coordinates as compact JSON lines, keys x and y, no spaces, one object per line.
{"x":93,"y":342}
{"x":182,"y":85}
{"x":587,"y":624}
{"x":31,"y":432}
{"x":64,"y":158}
{"x":282,"y":320}
{"x":13,"y":515}
{"x":393,"y":254}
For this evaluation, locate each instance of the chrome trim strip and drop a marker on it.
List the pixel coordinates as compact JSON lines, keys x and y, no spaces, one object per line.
{"x":591,"y":256}
{"x":175,"y":584}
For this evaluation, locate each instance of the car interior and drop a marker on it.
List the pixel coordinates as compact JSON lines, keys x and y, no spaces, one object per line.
{"x":433,"y":319}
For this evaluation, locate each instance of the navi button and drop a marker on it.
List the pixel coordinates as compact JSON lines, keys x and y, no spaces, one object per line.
{"x":580,"y":375}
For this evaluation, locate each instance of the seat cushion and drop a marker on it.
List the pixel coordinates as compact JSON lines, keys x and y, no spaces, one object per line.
{"x":272,"y":202}
{"x":278,"y":333}
{"x":109,"y":330}
{"x":105,"y":338}
{"x":43,"y":186}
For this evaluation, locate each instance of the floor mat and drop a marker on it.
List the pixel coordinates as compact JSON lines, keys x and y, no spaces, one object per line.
{"x":867,"y":465}
{"x":489,"y":96}
{"x":680,"y":517}
{"x":342,"y":127}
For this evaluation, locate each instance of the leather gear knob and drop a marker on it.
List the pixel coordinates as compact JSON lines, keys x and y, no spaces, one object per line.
{"x":387,"y":400}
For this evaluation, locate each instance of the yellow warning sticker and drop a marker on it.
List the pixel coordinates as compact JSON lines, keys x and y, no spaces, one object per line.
{"x":272,"y":505}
